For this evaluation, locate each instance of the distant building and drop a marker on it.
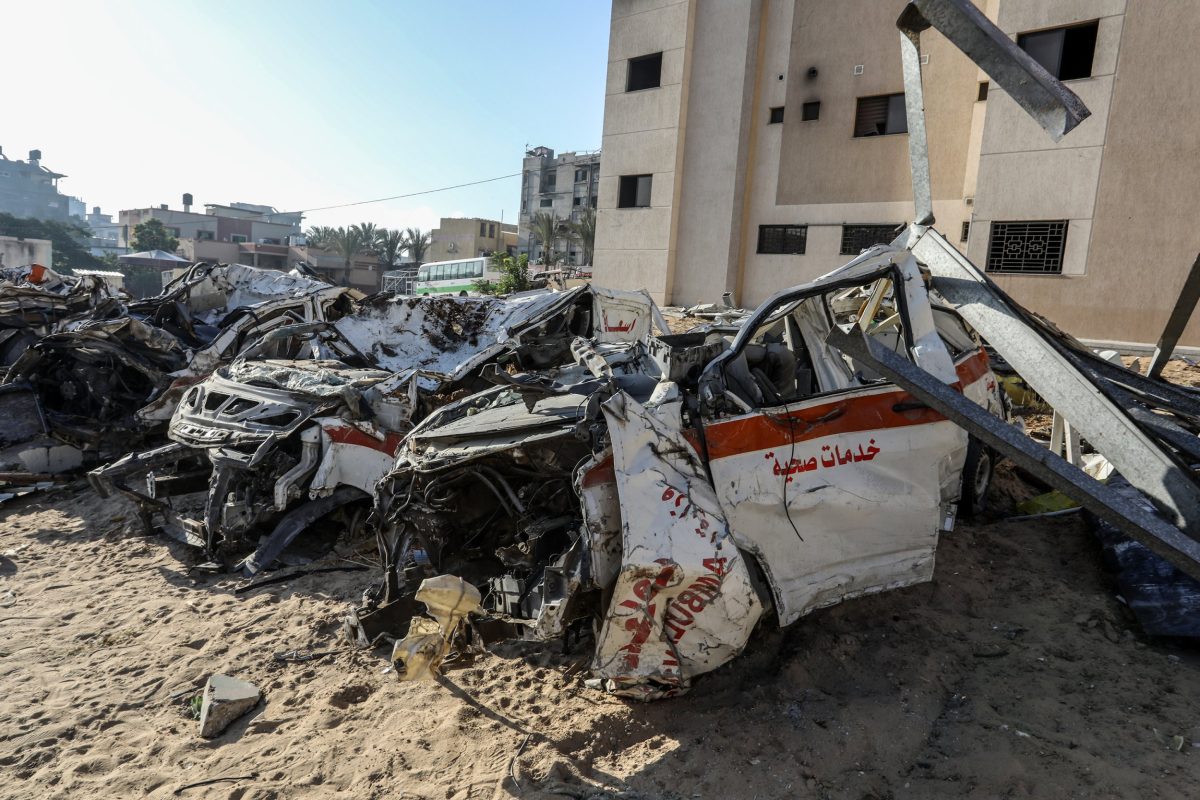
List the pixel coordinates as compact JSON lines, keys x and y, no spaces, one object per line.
{"x":18,"y":252}
{"x":106,"y":234}
{"x":470,"y":237}
{"x":27,"y":189}
{"x":566,"y":186}
{"x":76,"y":210}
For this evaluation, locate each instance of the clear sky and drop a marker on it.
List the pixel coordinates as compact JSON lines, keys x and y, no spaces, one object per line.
{"x":301,"y":104}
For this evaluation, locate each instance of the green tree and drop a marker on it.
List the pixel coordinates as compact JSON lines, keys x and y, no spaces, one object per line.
{"x":370,"y":233}
{"x":389,"y":245}
{"x":69,"y":241}
{"x":514,"y":275}
{"x":347,"y":243}
{"x":416,"y":242}
{"x":584,"y":232}
{"x":544,"y":227}
{"x":153,"y":235}
{"x":319,"y":236}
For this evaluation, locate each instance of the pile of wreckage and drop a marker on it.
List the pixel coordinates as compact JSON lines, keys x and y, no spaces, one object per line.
{"x":558,"y":466}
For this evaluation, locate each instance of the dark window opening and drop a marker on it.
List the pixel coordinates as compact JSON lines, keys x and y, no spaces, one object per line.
{"x":634,"y":191}
{"x":1027,"y":247}
{"x":856,"y":238}
{"x":776,"y":116}
{"x":549,"y":181}
{"x":644,"y":73}
{"x":483,"y":229}
{"x":983,"y":90}
{"x":811,"y":111}
{"x":966,"y":231}
{"x":546,"y":202}
{"x":491,"y":230}
{"x":882,"y":115}
{"x":782,"y":239}
{"x":1066,"y":53}
{"x":577,"y":201}
{"x":580,"y":175}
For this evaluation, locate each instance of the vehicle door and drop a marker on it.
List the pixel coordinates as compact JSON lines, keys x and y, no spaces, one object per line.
{"x":829,"y":475}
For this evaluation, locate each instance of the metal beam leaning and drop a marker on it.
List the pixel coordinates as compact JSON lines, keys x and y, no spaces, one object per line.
{"x":911,"y":24}
{"x":1068,"y":390}
{"x":1133,"y":520}
{"x":1055,"y":107}
{"x":1189,"y":295}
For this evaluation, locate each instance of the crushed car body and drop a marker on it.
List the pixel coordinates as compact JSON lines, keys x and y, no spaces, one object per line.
{"x":666,"y":492}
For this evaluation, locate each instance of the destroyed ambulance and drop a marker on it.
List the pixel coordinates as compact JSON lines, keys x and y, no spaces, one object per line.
{"x":670,"y":492}
{"x":276,"y":443}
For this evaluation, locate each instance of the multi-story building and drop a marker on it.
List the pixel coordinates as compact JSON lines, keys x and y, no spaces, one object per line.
{"x":17,"y":251}
{"x":106,"y":235}
{"x":756,"y":145}
{"x":27,"y":189}
{"x":470,"y":237}
{"x":565,"y":186}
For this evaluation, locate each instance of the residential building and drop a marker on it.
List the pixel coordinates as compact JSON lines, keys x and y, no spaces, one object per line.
{"x":106,"y":235}
{"x":27,"y":189}
{"x":16,"y":251}
{"x":236,"y":223}
{"x":470,"y":237}
{"x":752,"y":146}
{"x":565,"y":186}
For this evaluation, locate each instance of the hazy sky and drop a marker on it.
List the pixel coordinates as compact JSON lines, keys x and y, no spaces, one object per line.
{"x":301,"y":104}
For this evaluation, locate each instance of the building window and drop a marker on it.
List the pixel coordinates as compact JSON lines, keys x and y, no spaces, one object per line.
{"x":776,"y":117}
{"x":783,"y":239}
{"x":966,"y":231}
{"x":205,"y":236}
{"x":173,"y":231}
{"x":491,"y":230}
{"x":634,"y":191}
{"x":856,"y":238}
{"x":983,"y":90}
{"x":644,"y":73}
{"x":881,"y":115}
{"x":546,"y":202}
{"x":1028,"y":247}
{"x":1066,"y":53}
{"x":483,"y":229}
{"x":238,"y":238}
{"x":549,"y":181}
{"x":577,"y":200}
{"x":810,"y":112}
{"x":580,"y":175}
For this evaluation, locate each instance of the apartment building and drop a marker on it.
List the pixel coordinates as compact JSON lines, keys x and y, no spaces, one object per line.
{"x":27,"y":189}
{"x":756,"y":145}
{"x":469,"y":237}
{"x":566,"y":186}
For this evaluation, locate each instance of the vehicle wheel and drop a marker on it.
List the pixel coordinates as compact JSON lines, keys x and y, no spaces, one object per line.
{"x":976,"y":478}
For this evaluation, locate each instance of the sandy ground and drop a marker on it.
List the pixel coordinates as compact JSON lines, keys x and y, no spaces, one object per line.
{"x":1015,"y":673}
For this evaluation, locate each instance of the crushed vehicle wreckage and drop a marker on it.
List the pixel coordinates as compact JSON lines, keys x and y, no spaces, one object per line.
{"x":670,"y":490}
{"x":272,"y":444}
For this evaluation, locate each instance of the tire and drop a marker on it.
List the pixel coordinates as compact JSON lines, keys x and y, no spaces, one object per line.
{"x":978,"y":469}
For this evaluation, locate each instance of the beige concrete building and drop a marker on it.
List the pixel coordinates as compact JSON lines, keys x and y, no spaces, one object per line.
{"x":469,"y":237}
{"x":755,"y":145}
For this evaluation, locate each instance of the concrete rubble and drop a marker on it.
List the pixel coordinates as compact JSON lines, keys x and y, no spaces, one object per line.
{"x":557,"y":466}
{"x":225,"y":700}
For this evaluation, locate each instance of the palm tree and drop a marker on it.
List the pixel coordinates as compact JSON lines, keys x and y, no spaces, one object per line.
{"x":389,"y":245}
{"x":319,"y":236}
{"x":544,"y":226}
{"x":347,"y":243}
{"x":584,"y":231}
{"x":370,"y":233}
{"x":416,"y":242}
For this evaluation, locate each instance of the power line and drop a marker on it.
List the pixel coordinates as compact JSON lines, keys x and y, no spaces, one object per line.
{"x":402,"y":196}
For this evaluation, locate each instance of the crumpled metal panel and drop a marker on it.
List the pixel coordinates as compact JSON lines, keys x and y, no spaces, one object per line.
{"x":683,"y":603}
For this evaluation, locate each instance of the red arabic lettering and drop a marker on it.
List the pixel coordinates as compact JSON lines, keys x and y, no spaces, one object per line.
{"x":832,"y":456}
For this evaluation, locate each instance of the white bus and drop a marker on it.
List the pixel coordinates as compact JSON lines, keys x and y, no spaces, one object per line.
{"x":458,"y":277}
